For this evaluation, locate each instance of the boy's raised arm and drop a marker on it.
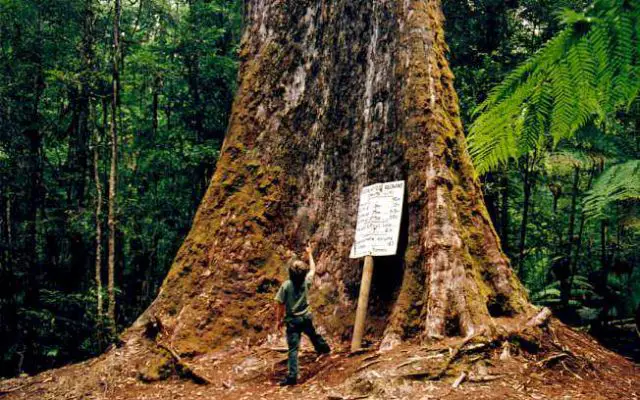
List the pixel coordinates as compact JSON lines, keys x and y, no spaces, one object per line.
{"x":312,"y":263}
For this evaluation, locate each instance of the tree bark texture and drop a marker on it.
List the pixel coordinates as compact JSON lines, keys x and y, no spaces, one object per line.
{"x":334,"y":96}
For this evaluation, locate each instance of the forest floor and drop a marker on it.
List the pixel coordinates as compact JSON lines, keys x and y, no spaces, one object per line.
{"x":571,"y":366}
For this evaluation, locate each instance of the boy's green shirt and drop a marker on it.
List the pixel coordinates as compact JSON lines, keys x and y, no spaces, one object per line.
{"x":295,"y":299}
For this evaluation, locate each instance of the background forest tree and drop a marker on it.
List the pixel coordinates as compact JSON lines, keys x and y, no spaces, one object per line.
{"x":568,"y":116}
{"x":177,"y":74}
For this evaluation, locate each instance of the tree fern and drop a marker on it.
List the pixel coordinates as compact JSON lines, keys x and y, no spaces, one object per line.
{"x":564,"y":161}
{"x":588,"y":148}
{"x":583,"y":75}
{"x":550,"y":295}
{"x":618,"y":183}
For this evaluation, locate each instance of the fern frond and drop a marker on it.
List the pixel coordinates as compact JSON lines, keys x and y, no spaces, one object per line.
{"x":617,"y":183}
{"x":546,"y":294}
{"x":585,"y":74}
{"x":564,"y":162}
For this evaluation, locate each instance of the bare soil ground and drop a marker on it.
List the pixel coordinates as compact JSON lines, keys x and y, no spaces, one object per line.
{"x":570,"y":365}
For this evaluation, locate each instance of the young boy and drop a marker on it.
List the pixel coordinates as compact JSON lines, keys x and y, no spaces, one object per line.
{"x":292,"y":308}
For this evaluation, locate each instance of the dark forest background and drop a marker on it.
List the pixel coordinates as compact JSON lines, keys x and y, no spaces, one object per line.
{"x":111,"y":118}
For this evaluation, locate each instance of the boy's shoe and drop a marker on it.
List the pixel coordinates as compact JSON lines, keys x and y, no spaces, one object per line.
{"x":324,"y":349}
{"x":289,"y":381}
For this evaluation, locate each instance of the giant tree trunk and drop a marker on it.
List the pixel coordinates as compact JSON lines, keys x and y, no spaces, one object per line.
{"x":334,"y":96}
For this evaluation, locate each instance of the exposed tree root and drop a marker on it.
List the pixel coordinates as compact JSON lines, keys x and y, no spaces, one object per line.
{"x":4,"y":392}
{"x":483,"y":378}
{"x":527,"y":334}
{"x":361,"y":351}
{"x":551,"y":359}
{"x":183,"y":368}
{"x":564,"y":365}
{"x":157,"y":332}
{"x":460,"y":379}
{"x":367,"y":365}
{"x":429,"y":375}
{"x":454,"y":355}
{"x":539,"y":319}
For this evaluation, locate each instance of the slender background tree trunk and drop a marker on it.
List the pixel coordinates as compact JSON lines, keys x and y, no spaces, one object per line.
{"x":567,"y":276}
{"x":113,"y":174}
{"x":98,"y":220}
{"x":528,"y":181}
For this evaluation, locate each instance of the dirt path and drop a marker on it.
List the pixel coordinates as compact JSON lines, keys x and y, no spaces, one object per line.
{"x":580,"y":370}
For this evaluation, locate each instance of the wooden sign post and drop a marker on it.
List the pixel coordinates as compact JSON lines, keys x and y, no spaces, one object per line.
{"x":363,"y":303}
{"x":377,"y":231}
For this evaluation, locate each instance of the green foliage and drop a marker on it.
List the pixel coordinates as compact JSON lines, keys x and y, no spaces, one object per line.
{"x":66,"y":325}
{"x":178,"y":77}
{"x":618,"y":184}
{"x":583,"y":75}
{"x":582,"y":291}
{"x":569,"y":116}
{"x":564,"y":161}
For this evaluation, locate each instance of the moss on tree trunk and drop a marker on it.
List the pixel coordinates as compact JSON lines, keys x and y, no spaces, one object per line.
{"x":334,"y":96}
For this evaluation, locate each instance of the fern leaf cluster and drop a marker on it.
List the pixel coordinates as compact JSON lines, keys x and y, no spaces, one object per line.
{"x":618,"y":183}
{"x":550,"y":294}
{"x":587,"y":72}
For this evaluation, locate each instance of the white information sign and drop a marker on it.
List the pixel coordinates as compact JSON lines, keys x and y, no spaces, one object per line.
{"x":379,"y":215}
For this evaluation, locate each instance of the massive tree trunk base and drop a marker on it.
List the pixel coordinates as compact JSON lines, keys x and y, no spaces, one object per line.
{"x":334,"y":96}
{"x":550,"y":362}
